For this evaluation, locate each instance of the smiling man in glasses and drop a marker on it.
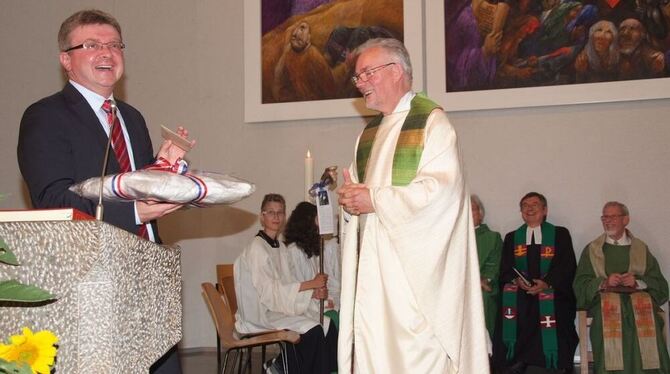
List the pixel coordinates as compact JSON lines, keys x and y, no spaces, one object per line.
{"x":63,"y":137}
{"x":413,"y":295}
{"x":536,"y":330}
{"x":620,"y":283}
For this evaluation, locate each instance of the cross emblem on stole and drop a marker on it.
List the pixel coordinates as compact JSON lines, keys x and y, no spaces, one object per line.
{"x":547,"y":322}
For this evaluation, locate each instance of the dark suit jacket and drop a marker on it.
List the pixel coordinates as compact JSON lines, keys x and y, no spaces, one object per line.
{"x":61,"y":142}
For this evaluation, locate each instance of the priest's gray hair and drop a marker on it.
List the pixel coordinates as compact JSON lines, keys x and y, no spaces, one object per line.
{"x":475,"y":199}
{"x":622,"y":207}
{"x":395,"y":48}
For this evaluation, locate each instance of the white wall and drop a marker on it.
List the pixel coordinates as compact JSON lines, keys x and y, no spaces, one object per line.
{"x":185,"y":66}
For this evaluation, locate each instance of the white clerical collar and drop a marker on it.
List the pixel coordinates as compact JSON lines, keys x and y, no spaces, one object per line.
{"x":405,"y":102}
{"x":623,"y":240}
{"x":534,"y":230}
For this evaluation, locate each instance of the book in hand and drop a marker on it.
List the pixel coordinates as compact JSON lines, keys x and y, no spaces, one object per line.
{"x":526,"y":281}
{"x":58,"y":214}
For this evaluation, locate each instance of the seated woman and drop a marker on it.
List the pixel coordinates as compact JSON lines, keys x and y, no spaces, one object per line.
{"x":269,"y":297}
{"x":302,"y":239}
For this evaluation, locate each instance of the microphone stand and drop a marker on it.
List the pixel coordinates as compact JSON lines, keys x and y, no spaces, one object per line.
{"x":99,"y":210}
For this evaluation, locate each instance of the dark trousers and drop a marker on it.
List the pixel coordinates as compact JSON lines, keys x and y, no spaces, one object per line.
{"x":315,"y":354}
{"x":168,"y":364}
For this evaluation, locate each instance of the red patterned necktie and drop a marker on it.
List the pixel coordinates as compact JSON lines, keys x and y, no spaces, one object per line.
{"x":118,"y":141}
{"x":120,"y":148}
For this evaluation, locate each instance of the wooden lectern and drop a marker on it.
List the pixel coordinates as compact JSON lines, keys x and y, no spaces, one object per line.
{"x":118,"y":306}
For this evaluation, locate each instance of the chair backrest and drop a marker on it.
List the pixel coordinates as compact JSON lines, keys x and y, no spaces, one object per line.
{"x":226,"y":279}
{"x":224,"y":270}
{"x":229,"y":287}
{"x":585,"y":355}
{"x":224,"y":319}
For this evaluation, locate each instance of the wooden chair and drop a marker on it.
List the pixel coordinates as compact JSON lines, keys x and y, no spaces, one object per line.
{"x":225,"y":278}
{"x":224,"y":320}
{"x":583,"y":324}
{"x":225,"y":281}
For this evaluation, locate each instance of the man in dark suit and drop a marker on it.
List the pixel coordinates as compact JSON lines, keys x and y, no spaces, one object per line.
{"x":63,"y":137}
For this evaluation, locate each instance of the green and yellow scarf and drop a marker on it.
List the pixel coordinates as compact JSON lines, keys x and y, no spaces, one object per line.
{"x":409,"y":147}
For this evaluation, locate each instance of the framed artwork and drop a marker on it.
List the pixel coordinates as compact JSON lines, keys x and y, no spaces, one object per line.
{"x":286,"y":79}
{"x":448,"y":83}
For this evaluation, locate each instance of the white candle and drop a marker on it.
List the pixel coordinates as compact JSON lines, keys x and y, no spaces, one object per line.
{"x":309,"y":174}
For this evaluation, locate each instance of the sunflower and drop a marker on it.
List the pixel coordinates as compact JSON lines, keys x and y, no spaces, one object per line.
{"x":36,"y":350}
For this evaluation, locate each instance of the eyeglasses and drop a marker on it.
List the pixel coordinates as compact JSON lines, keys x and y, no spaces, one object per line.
{"x":365,"y":75}
{"x":274,"y":214}
{"x":611,"y":218}
{"x":97,"y":46}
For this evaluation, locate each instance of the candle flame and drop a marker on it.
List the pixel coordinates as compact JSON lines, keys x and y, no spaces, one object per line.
{"x":309,"y":155}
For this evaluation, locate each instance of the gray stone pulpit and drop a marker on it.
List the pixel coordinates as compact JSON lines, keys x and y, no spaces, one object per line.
{"x":118,"y":306}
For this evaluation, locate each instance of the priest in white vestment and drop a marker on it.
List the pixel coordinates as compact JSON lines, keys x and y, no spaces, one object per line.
{"x":410,"y":299}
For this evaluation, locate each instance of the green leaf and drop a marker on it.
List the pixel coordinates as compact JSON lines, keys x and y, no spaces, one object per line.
{"x":6,"y":255}
{"x":7,"y":367}
{"x":12,"y":290}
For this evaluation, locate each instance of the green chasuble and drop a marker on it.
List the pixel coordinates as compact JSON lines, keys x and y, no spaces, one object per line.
{"x":489,"y":251}
{"x":586,"y":287}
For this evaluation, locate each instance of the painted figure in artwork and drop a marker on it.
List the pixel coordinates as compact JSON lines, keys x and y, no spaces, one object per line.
{"x":319,"y":21}
{"x":510,"y":44}
{"x":302,"y":72}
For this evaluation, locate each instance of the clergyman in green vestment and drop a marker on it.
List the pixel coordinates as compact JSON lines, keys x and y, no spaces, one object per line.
{"x":489,"y":251}
{"x":619,"y":282}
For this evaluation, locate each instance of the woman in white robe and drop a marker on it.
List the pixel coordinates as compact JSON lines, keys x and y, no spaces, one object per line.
{"x":270,"y":298}
{"x":302,"y":240}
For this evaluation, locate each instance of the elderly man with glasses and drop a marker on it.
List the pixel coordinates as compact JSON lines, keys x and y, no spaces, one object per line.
{"x":411,"y":300}
{"x":620,"y":283}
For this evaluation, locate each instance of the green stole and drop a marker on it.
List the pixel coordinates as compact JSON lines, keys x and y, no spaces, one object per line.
{"x":409,"y":147}
{"x":547,"y":313}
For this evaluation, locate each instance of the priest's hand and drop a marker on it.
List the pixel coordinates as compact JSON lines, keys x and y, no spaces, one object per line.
{"x":519,"y":282}
{"x":486,"y":285}
{"x":539,"y":286}
{"x":613,"y":280}
{"x":628,"y":280}
{"x":354,"y":197}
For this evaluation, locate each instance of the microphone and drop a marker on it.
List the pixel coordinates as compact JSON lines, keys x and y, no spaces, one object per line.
{"x":99,"y":209}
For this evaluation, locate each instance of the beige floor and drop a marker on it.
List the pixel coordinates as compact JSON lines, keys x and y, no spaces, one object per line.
{"x":204,"y":362}
{"x":197,"y":363}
